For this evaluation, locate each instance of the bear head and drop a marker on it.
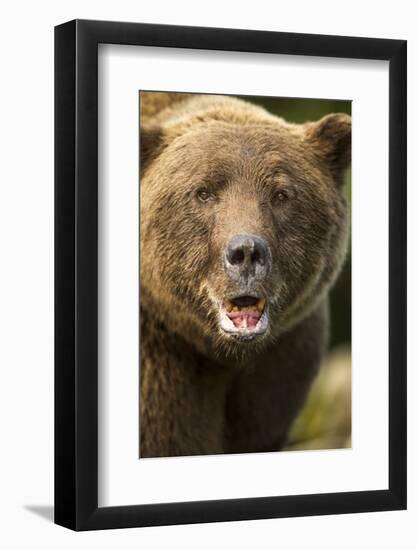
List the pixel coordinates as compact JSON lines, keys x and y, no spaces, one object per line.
{"x":243,"y":220}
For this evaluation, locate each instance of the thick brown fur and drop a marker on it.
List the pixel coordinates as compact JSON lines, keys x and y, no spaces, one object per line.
{"x":203,"y":391}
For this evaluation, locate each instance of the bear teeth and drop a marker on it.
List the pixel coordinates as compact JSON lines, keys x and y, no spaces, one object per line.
{"x":231,"y":307}
{"x":228,"y":306}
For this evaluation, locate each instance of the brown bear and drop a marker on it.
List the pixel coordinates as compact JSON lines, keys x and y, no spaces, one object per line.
{"x":243,"y":230}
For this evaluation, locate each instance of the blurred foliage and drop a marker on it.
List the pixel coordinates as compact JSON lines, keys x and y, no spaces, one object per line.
{"x":301,"y":110}
{"x":325,"y":420}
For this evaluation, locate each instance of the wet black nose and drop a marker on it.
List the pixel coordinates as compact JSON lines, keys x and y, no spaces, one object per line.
{"x":247,"y":256}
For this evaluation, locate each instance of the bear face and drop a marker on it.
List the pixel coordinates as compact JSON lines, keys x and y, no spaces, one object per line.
{"x":243,"y":220}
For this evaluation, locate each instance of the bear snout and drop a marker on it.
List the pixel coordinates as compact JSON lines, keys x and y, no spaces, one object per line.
{"x":247,"y":258}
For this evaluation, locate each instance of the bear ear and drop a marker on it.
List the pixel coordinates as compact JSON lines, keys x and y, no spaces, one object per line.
{"x":331,"y":137}
{"x":151,"y":143}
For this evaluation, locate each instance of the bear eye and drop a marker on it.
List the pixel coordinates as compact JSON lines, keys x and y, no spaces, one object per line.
{"x":204,"y":195}
{"x":281,"y":196}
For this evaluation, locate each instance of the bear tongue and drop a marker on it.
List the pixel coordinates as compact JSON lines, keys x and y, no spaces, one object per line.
{"x":245,"y":320}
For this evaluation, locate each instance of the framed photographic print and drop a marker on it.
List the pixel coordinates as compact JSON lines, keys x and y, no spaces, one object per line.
{"x":230,"y":252}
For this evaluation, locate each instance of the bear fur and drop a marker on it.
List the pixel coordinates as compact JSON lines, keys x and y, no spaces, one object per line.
{"x":212,"y":167}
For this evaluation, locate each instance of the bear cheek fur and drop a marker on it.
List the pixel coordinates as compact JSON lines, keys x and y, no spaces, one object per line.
{"x":175,"y":253}
{"x":311,"y":250}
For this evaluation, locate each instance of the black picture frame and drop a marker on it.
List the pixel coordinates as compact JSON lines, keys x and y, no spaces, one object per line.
{"x":76,"y":271}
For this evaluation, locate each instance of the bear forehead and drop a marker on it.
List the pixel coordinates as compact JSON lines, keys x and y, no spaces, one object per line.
{"x":250,"y":139}
{"x":261,"y":147}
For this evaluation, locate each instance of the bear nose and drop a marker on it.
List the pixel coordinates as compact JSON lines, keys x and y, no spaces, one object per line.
{"x":247,"y":256}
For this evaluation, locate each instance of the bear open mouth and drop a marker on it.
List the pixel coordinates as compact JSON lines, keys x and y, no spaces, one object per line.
{"x":244,"y":316}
